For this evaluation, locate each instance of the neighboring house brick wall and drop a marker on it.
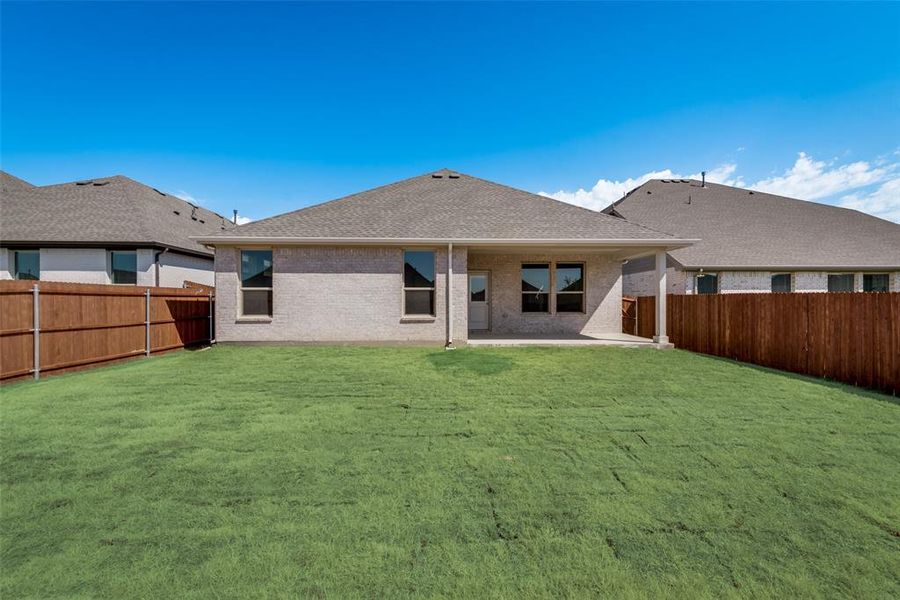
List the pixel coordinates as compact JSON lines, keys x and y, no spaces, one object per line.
{"x":82,"y":265}
{"x":75,"y":265}
{"x":643,"y":283}
{"x":6,"y":265}
{"x":603,"y":295}
{"x":743,"y":282}
{"x":175,"y":269}
{"x":338,"y":294}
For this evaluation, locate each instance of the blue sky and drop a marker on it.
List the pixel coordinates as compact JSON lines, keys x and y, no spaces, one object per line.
{"x":270,"y":107}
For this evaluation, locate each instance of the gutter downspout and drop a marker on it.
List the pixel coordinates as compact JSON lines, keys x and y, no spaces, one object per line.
{"x":156,"y":262}
{"x":450,"y":345}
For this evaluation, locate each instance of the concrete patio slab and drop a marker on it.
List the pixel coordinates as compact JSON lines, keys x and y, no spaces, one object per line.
{"x":478,"y":338}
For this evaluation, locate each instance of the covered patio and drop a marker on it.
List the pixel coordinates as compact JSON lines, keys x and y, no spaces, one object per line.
{"x":559,"y":293}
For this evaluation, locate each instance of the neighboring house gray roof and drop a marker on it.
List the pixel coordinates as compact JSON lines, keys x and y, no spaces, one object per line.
{"x":741,"y":228}
{"x":11,"y":183}
{"x":111,"y":210}
{"x":444,"y":206}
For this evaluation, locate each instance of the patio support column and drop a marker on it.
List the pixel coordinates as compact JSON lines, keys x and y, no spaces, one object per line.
{"x":449,"y":345}
{"x":661,"y":288}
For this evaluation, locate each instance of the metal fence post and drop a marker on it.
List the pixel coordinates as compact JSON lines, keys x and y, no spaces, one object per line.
{"x":36,"y":327}
{"x":210,"y":318}
{"x":147,"y":324}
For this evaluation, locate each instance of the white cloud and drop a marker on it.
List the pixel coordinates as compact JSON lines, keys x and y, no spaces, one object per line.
{"x":883,"y":202}
{"x":241,"y":220}
{"x":807,"y":179}
{"x":188,"y":198}
{"x":812,"y":179}
{"x":607,"y":191}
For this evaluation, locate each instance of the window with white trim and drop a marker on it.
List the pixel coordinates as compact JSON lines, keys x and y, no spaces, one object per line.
{"x":569,"y":287}
{"x":256,"y":283}
{"x":418,"y":283}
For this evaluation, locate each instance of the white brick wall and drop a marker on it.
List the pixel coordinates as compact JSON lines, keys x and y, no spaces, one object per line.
{"x":603,"y":285}
{"x":338,"y":294}
{"x":91,"y":265}
{"x":643,"y":283}
{"x":733,"y":282}
{"x":174,"y":269}
{"x":6,"y":266}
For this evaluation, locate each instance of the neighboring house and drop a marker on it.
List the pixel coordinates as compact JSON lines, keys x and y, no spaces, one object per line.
{"x":427,"y":259}
{"x":109,"y":230}
{"x":756,"y":242}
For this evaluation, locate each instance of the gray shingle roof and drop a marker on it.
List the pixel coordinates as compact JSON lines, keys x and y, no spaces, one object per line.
{"x":115,"y":210}
{"x":744,"y":228}
{"x":446,"y":205}
{"x":11,"y":183}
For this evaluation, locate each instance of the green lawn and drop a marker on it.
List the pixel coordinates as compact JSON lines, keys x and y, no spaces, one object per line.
{"x":386,"y":472}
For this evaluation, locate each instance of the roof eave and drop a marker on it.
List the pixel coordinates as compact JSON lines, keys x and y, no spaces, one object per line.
{"x":200,"y":252}
{"x":785,"y":268}
{"x":663,"y":243}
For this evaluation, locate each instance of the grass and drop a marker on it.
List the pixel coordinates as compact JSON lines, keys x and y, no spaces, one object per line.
{"x":385,"y":472}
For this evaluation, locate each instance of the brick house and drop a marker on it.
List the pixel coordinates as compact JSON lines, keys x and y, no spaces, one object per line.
{"x":428,"y":259}
{"x":751,"y":241}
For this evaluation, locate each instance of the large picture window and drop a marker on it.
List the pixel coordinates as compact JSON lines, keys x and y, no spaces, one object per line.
{"x":28,"y":264}
{"x":840,"y":282}
{"x":418,"y":283}
{"x":123,"y":267}
{"x":536,"y":288}
{"x":256,"y":283}
{"x":876,"y":282}
{"x":569,"y":287}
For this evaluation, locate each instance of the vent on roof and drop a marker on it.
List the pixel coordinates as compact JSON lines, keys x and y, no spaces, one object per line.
{"x":649,"y":192}
{"x":194,"y":212}
{"x":452,"y":175}
{"x":751,"y":192}
{"x":177,"y":212}
{"x":158,"y":192}
{"x":100,"y":183}
{"x":437,"y":175}
{"x":88,"y":182}
{"x":202,"y":221}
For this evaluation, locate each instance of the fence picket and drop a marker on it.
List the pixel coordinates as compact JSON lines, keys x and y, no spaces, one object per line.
{"x":52,"y":327}
{"x":848,"y":337}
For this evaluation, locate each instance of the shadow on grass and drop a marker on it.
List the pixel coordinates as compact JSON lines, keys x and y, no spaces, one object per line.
{"x":874,"y":394}
{"x":480,"y":363}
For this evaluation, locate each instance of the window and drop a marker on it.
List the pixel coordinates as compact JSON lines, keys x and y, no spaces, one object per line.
{"x":536,"y":288}
{"x":256,"y":283}
{"x":569,"y":287}
{"x":418,"y":283}
{"x":28,"y":264}
{"x":707,"y":283}
{"x":781,"y":282}
{"x":876,"y":282}
{"x":841,"y":282}
{"x":123,"y":267}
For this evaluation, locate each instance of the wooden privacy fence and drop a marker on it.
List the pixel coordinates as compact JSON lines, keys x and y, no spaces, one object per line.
{"x":53,"y":327}
{"x":848,"y":337}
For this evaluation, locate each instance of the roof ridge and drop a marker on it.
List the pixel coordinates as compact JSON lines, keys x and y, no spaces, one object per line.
{"x":603,"y":216}
{"x":340,"y":199}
